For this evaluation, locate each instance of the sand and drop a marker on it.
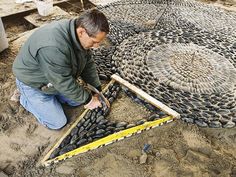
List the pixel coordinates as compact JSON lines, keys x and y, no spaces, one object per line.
{"x":177,"y":149}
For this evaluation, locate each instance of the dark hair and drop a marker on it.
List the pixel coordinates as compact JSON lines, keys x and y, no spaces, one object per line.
{"x":93,"y":21}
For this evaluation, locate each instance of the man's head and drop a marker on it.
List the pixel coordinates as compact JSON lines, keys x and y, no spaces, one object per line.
{"x":91,"y":28}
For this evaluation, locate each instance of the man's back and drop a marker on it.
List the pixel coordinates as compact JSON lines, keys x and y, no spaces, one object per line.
{"x":26,"y":66}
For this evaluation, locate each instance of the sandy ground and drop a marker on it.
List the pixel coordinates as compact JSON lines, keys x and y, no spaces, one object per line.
{"x":177,"y":149}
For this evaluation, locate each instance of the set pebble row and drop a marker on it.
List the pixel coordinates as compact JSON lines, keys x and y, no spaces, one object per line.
{"x":94,"y":125}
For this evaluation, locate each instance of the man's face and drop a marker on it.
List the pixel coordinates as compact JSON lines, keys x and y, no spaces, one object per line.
{"x":88,"y":42}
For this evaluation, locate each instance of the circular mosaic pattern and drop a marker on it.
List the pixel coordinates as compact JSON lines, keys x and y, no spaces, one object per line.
{"x":181,"y":52}
{"x":191,"y":68}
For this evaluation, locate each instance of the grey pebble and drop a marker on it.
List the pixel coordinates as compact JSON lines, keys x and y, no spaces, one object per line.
{"x":80,"y":142}
{"x":121,"y":124}
{"x":140,"y":122}
{"x":100,"y":131}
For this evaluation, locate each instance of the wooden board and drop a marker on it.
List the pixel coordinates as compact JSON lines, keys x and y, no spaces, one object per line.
{"x":102,"y":2}
{"x":38,"y":20}
{"x":9,"y":7}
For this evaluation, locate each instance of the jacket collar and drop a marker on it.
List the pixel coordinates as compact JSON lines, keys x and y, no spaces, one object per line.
{"x":75,"y":39}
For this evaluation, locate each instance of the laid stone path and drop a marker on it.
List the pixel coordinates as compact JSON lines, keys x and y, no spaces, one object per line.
{"x":181,"y":52}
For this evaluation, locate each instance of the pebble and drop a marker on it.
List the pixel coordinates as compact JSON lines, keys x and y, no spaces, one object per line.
{"x":100,"y":118}
{"x":88,"y":114}
{"x":74,"y":139}
{"x":74,"y":131}
{"x":121,"y":124}
{"x":103,"y":121}
{"x":188,"y":120}
{"x":153,"y":117}
{"x":90,"y":133}
{"x":130,"y":125}
{"x":143,"y":158}
{"x":201,"y":123}
{"x":229,"y":124}
{"x":65,"y":141}
{"x":119,"y":129}
{"x":110,"y":128}
{"x":103,"y":77}
{"x":100,"y":131}
{"x":67,"y":148}
{"x":80,"y":142}
{"x":140,"y":122}
{"x":81,"y":130}
{"x":88,"y":126}
{"x":98,"y":136}
{"x":215,"y":124}
{"x":54,"y":153}
{"x":86,"y":123}
{"x":93,"y":127}
{"x":106,"y":112}
{"x":111,"y":100}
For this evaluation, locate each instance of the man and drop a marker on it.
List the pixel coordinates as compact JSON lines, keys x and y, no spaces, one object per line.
{"x":51,"y":60}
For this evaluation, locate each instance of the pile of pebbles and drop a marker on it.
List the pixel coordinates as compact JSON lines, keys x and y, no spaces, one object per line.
{"x":181,"y":52}
{"x":94,"y":124}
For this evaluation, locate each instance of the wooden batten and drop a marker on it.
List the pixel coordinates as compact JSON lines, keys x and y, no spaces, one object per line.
{"x":147,"y":97}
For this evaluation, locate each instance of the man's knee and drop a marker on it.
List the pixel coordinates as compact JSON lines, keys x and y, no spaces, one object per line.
{"x":57,"y":124}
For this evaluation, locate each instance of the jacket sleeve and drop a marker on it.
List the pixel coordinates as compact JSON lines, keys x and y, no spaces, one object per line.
{"x":90,"y":74}
{"x":57,"y":69}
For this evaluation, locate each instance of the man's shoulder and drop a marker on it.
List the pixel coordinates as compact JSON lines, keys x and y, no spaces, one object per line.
{"x":55,"y":34}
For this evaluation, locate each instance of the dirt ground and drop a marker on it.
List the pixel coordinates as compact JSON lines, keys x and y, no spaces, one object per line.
{"x":177,"y":148}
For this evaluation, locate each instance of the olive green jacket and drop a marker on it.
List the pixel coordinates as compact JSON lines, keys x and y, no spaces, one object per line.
{"x":53,"y":54}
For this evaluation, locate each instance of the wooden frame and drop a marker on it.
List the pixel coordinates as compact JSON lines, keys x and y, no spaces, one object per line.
{"x":115,"y":136}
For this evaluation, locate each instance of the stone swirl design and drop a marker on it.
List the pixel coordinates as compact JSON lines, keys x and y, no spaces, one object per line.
{"x":181,"y":52}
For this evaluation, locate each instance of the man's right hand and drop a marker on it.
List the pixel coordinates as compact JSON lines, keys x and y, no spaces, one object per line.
{"x":93,"y":104}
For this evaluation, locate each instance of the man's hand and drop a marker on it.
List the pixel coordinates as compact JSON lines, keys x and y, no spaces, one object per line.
{"x":103,"y":101}
{"x":94,"y":103}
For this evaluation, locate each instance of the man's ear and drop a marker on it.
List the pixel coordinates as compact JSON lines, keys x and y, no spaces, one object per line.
{"x":80,"y":31}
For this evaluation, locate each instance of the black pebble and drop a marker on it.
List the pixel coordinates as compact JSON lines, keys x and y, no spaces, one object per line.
{"x":88,"y":114}
{"x":121,"y":124}
{"x":90,"y":133}
{"x":201,"y":123}
{"x":100,"y":118}
{"x":101,"y":126}
{"x":103,"y":121}
{"x":140,"y":122}
{"x":97,"y":136}
{"x":80,"y":142}
{"x":54,"y":153}
{"x":100,"y":131}
{"x":65,"y":141}
{"x":73,"y":139}
{"x":74,"y":131}
{"x":67,"y":149}
{"x":86,"y":123}
{"x":81,"y":130}
{"x":88,"y":126}
{"x":103,"y":77}
{"x":153,"y":117}
{"x":119,"y":129}
{"x":106,"y":112}
{"x":110,"y":128}
{"x":93,"y":127}
{"x":111,"y":100}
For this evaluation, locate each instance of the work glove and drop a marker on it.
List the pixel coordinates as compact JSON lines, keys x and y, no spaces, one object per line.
{"x":93,"y":104}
